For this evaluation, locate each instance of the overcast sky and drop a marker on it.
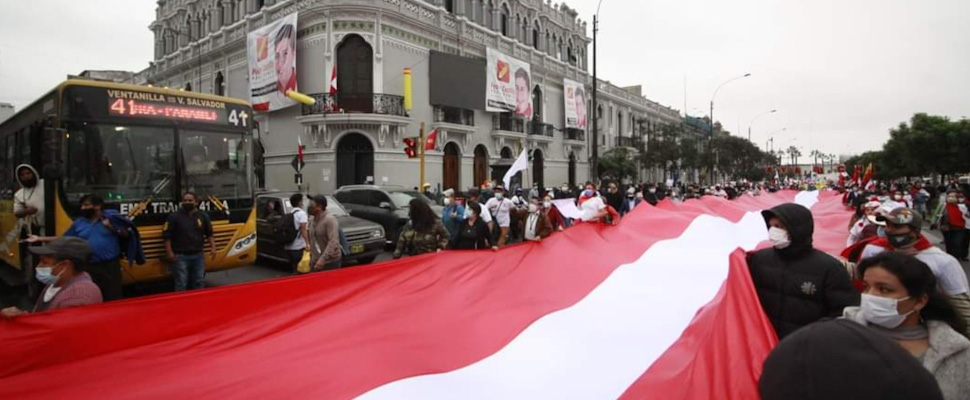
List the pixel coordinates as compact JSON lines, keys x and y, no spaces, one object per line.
{"x":840,"y":72}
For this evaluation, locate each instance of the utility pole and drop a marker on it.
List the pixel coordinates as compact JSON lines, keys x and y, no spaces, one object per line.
{"x":594,"y":159}
{"x":421,"y":155}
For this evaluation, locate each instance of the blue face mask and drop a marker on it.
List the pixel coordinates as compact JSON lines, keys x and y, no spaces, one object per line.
{"x":46,"y":275}
{"x":588,"y":193}
{"x":881,"y":232}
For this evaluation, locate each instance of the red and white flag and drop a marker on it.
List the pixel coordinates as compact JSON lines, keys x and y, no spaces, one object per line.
{"x":431,"y":141}
{"x":660,"y":307}
{"x":333,"y":89}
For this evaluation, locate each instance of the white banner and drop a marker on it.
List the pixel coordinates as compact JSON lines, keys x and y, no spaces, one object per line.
{"x":567,"y":207}
{"x":271,"y":51}
{"x":508,"y":84}
{"x":575,"y":107}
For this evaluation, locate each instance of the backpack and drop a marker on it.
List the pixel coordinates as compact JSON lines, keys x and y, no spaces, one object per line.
{"x":284,"y":229}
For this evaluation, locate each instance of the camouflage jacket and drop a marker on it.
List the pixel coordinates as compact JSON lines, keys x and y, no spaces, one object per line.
{"x":412,"y":242}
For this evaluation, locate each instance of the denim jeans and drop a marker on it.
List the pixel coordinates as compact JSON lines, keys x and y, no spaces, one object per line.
{"x":188,"y":271}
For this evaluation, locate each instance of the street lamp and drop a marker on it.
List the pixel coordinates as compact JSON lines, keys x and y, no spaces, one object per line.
{"x":771,"y":138}
{"x":711,"y":138}
{"x":755,"y":118}
{"x":595,"y":135}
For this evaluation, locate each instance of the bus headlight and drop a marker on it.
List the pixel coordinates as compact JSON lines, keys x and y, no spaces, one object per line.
{"x":378,"y":234}
{"x":242,"y":245}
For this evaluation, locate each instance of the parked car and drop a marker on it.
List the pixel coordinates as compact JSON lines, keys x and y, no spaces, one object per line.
{"x":365,"y":238}
{"x":385,"y":205}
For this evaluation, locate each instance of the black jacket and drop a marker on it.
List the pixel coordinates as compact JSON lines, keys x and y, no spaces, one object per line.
{"x":472,"y":237}
{"x":799,"y":285}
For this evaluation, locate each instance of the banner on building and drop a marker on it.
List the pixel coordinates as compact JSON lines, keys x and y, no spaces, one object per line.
{"x":507,"y":85}
{"x":271,"y":51}
{"x":575,"y":104}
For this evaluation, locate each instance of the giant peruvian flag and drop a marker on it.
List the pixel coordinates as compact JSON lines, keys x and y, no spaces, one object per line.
{"x":660,"y":306}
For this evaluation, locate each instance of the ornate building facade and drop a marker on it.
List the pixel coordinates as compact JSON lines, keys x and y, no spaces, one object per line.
{"x":201,"y":45}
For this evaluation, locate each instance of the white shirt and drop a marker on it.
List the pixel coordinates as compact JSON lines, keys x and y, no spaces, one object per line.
{"x":592,"y":207}
{"x":856,"y":232}
{"x":299,"y":217}
{"x":51,"y":292}
{"x":952,"y":279}
{"x":31,"y":197}
{"x":501,"y":210}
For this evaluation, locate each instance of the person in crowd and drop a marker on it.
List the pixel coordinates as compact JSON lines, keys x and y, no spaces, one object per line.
{"x":558,"y":222}
{"x":612,"y":197}
{"x":61,"y":269}
{"x":719,"y":192}
{"x":651,"y":195}
{"x":537,"y":225}
{"x":426,"y":190}
{"x":423,"y":234}
{"x":594,"y":208}
{"x":796,"y":283}
{"x":453,"y":213}
{"x":474,"y":233}
{"x":186,"y":232}
{"x":902,"y":300}
{"x":842,"y":360}
{"x":296,"y":249}
{"x":486,"y":217}
{"x":534,"y":192}
{"x":565,"y":192}
{"x":864,"y":228}
{"x":903,"y":236}
{"x":953,"y":223}
{"x":500,"y":208}
{"x":487,"y":191}
{"x":324,"y":235}
{"x":92,"y":226}
{"x":519,"y":201}
{"x":28,"y":207}
{"x":630,"y":202}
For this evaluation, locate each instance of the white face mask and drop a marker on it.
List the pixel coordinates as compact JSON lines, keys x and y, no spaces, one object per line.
{"x":533,"y":208}
{"x":882,"y":311}
{"x":547,"y":204}
{"x":499,"y":196}
{"x":779,"y":237}
{"x":447,"y":201}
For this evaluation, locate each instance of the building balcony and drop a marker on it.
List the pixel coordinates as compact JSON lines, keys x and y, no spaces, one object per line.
{"x":363,"y":103}
{"x":575,"y":135}
{"x":631,"y":142}
{"x":537,"y":128}
{"x":505,"y":124}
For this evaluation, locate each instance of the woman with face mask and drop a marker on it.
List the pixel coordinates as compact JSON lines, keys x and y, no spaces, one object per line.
{"x":473,"y":234}
{"x":953,"y":224}
{"x":555,"y":217}
{"x":902,"y":300}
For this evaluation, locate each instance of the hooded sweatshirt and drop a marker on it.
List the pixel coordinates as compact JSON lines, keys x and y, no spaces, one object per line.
{"x":799,"y":285}
{"x":30,"y":197}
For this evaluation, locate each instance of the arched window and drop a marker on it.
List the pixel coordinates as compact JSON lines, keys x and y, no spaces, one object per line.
{"x":450,"y":6}
{"x":559,"y":49}
{"x":570,"y":58}
{"x":355,"y":75}
{"x":232,"y":13}
{"x":220,"y":17}
{"x":536,"y":36}
{"x":524,"y":31}
{"x":619,"y":123}
{"x":470,"y":9}
{"x":537,"y":103}
{"x":489,"y":9}
{"x":260,"y":4}
{"x":219,"y":85}
{"x":188,"y":86}
{"x":504,"y":21}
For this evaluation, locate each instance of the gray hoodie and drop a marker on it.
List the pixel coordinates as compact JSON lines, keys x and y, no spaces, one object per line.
{"x":948,"y":357}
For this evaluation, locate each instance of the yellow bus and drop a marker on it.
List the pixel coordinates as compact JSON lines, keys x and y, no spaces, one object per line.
{"x":138,"y":147}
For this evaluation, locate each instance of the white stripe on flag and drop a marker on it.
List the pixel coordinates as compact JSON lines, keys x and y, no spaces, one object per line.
{"x":600,"y":346}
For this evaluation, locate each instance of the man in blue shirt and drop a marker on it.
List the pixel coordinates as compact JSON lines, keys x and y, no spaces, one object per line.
{"x":93,"y":227}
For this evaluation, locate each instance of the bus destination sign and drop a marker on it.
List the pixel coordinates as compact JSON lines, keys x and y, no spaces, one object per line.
{"x":133,"y":104}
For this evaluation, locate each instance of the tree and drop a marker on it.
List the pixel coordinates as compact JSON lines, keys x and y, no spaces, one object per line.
{"x":617,"y":164}
{"x":664,"y":148}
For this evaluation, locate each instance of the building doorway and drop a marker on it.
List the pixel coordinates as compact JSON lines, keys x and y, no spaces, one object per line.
{"x":538,"y":166}
{"x":480,"y":173}
{"x":451,"y":168}
{"x":572,"y":170}
{"x":355,"y":160}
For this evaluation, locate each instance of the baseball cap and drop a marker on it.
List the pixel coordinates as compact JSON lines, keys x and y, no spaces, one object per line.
{"x":903,"y":216}
{"x":64,"y":247}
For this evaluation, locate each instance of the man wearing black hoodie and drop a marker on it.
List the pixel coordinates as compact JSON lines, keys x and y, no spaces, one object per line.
{"x":796,"y":283}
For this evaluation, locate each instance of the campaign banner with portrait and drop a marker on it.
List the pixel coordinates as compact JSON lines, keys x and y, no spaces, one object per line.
{"x":575,"y":104}
{"x":507,"y":84}
{"x":271,"y":51}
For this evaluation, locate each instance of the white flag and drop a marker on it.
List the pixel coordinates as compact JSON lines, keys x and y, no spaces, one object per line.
{"x":520,"y":164}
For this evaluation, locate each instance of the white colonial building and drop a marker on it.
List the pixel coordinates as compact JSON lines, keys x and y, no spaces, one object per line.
{"x":201,"y":45}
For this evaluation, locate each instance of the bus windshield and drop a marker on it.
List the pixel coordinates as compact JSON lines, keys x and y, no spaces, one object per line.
{"x":131,"y":163}
{"x":215,"y":163}
{"x":120,"y":162}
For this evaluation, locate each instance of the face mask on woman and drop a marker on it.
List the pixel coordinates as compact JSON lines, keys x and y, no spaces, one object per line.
{"x":883,"y":311}
{"x":588,"y":193}
{"x":469,"y":213}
